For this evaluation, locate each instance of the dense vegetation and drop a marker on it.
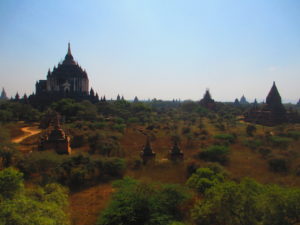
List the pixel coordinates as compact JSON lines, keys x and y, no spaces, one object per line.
{"x":24,"y":206}
{"x":143,"y":203}
{"x":248,"y":202}
{"x":207,"y":187}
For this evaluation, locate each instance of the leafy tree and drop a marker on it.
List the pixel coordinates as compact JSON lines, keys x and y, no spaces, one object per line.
{"x":215,"y":153}
{"x":225,"y":138}
{"x":253,"y":143}
{"x":248,"y":203}
{"x":278,"y":165}
{"x":281,"y":206}
{"x":8,"y":152}
{"x":137,"y":203}
{"x":229,"y":203}
{"x":68,"y":108}
{"x":102,"y":144}
{"x":204,"y":178}
{"x":11,"y":182}
{"x":280,"y":142}
{"x":87,"y":112}
{"x":40,"y":206}
{"x":41,"y":163}
{"x":250,"y":130}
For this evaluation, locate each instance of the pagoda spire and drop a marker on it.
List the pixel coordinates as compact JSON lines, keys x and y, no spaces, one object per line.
{"x":273,"y":97}
{"x":69,"y":58}
{"x":69,"y":49}
{"x":147,"y":154}
{"x":3,"y":94}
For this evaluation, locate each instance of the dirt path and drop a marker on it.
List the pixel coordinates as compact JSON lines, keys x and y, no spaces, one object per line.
{"x":28,"y":131}
{"x":85,"y":206}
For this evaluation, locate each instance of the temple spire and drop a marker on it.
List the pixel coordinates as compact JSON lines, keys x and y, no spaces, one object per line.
{"x":3,"y":95}
{"x":273,"y":97}
{"x":69,"y":58}
{"x":69,"y":49}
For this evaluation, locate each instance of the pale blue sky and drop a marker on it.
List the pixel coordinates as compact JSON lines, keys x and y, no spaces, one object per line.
{"x":156,"y":48}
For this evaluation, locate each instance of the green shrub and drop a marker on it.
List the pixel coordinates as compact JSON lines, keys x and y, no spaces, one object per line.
{"x":192,"y":167}
{"x":119,"y":127}
{"x":215,"y":153}
{"x":250,"y":130}
{"x":99,"y":125}
{"x":264,"y":151}
{"x":280,"y":206}
{"x":229,"y":203}
{"x":280,"y":142}
{"x":11,"y":182}
{"x":278,"y":165}
{"x":103,"y":144}
{"x":133,"y":120}
{"x":39,"y":163}
{"x":119,"y":120}
{"x":135,"y":163}
{"x":225,"y":138}
{"x":203,"y":179}
{"x":292,"y":134}
{"x":9,"y":155}
{"x":253,"y":143}
{"x":113,"y":167}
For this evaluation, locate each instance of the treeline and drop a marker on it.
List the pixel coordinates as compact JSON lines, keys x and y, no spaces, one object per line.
{"x":16,"y":111}
{"x":131,"y":112}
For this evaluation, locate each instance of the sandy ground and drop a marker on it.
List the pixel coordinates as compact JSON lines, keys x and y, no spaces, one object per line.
{"x":86,"y":205}
{"x":28,"y":131}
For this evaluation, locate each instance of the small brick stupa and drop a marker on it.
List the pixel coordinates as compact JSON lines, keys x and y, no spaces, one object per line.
{"x":207,"y":101}
{"x":175,"y":153}
{"x":147,"y":154}
{"x":55,"y":138}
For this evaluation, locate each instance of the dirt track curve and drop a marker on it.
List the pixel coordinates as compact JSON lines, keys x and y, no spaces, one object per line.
{"x":28,"y":131}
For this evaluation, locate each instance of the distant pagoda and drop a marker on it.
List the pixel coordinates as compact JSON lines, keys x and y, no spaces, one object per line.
{"x":67,"y":80}
{"x":236,"y":102}
{"x":3,"y":95}
{"x":175,"y":153}
{"x":243,"y":100}
{"x":207,"y":100}
{"x":147,"y":154}
{"x":272,"y":112}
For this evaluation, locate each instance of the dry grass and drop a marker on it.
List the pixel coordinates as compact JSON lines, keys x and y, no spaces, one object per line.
{"x":86,"y":205}
{"x":243,"y":162}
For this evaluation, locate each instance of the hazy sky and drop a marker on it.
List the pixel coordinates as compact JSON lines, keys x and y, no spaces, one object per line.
{"x":156,"y":48}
